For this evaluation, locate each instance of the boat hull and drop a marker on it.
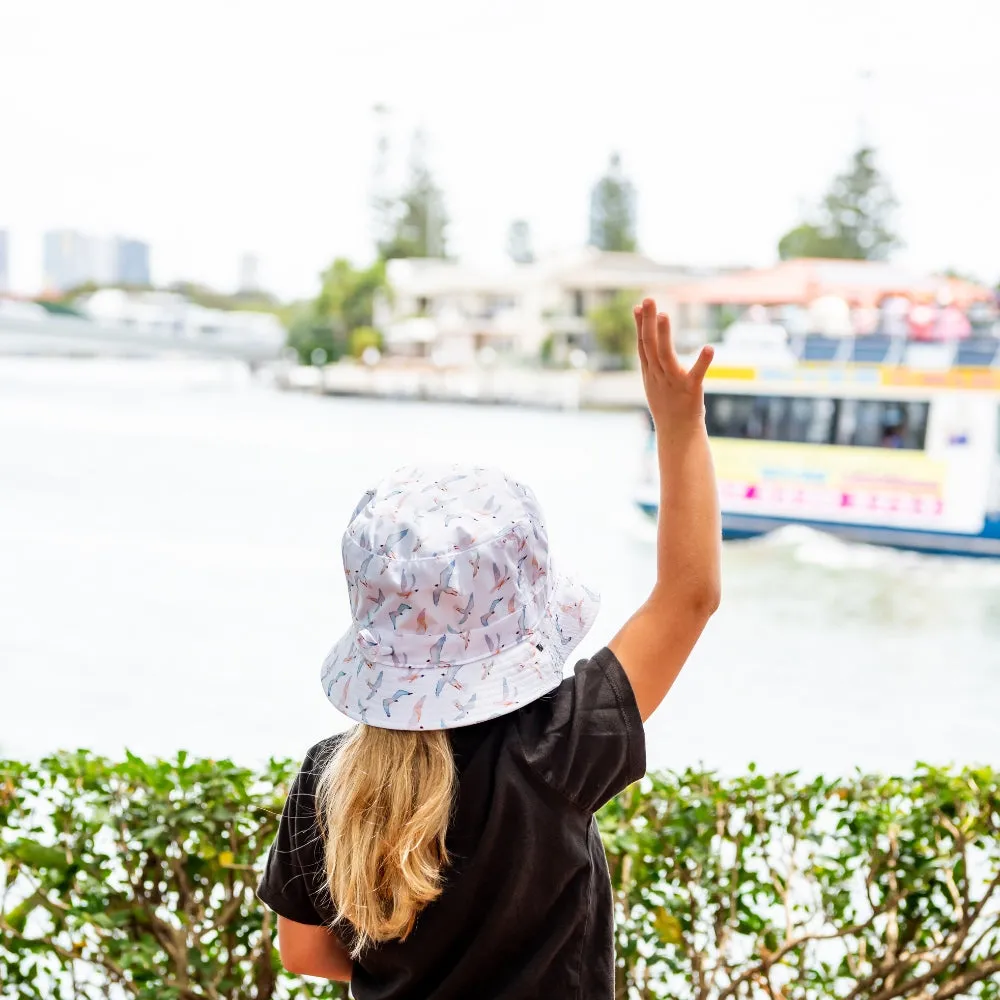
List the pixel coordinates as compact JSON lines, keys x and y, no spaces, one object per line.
{"x":985,"y":545}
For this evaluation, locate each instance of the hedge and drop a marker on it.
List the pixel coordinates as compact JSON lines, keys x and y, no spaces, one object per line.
{"x":136,"y":878}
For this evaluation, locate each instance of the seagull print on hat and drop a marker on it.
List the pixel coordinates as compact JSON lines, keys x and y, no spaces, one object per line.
{"x":387,"y":703}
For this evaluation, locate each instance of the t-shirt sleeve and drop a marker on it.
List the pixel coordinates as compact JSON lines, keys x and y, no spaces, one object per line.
{"x":293,"y":870}
{"x":586,"y":739}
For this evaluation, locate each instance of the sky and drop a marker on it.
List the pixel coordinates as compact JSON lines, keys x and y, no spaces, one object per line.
{"x":211,"y":128}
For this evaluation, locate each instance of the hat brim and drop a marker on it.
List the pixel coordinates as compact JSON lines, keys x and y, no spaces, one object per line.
{"x":392,"y":697}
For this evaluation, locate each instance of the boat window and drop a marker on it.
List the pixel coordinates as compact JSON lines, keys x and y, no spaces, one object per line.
{"x":866,"y":423}
{"x":730,"y":416}
{"x":812,"y":420}
{"x":793,"y":418}
{"x":771,"y":418}
{"x":915,"y":424}
{"x":880,"y":423}
{"x":860,"y":423}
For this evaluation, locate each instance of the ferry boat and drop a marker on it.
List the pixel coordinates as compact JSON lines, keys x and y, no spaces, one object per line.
{"x":872,"y":439}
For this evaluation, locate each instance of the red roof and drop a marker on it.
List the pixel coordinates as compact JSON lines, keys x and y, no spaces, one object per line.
{"x":799,"y":282}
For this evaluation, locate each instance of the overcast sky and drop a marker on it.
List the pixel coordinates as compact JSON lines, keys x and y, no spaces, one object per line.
{"x":210,"y":127}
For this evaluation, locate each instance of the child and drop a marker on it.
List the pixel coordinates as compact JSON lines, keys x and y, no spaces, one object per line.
{"x":446,"y":847}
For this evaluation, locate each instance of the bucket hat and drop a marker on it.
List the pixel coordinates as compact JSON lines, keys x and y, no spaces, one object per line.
{"x":458,"y":612}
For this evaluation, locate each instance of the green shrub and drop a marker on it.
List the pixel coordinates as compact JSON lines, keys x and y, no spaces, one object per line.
{"x":546,"y":350}
{"x":309,"y":334}
{"x":362,"y":338}
{"x":774,"y":887}
{"x":139,"y":876}
{"x":614,"y":326}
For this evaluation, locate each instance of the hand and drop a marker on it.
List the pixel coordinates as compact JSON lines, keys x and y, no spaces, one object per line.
{"x":675,"y":396}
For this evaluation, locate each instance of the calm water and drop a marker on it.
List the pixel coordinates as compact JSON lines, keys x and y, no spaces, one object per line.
{"x":170,"y":577}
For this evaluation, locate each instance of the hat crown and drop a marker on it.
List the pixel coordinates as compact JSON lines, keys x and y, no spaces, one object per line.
{"x":445,"y":565}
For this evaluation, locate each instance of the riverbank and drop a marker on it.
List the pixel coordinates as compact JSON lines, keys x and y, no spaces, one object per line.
{"x":537,"y":388}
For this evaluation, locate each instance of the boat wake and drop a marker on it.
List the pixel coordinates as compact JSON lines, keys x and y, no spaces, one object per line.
{"x":810,"y":547}
{"x":817,"y":548}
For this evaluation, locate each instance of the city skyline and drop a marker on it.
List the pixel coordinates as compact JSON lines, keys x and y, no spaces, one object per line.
{"x":71,"y":258}
{"x":735,"y":120}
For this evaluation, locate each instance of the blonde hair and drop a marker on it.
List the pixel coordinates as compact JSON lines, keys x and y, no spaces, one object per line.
{"x":383,"y":801}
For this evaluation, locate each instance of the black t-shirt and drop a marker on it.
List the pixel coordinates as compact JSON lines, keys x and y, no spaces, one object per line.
{"x":527,"y":908}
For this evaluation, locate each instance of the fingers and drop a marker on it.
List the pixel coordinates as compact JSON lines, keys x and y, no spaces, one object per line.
{"x":647,"y":333}
{"x":700,"y":367}
{"x":637,"y":316}
{"x":665,"y":345}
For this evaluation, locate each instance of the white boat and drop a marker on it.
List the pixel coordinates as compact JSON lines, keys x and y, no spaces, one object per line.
{"x":140,"y":324}
{"x":871,"y":439}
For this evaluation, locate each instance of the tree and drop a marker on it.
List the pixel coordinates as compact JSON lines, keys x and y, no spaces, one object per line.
{"x":854,"y":219}
{"x":211,"y":299}
{"x":347,"y":294}
{"x":614,"y":325}
{"x":346,"y":302}
{"x":519,"y":242}
{"x":612,"y":210}
{"x":362,"y":338}
{"x":417,"y":220}
{"x":808,"y":240}
{"x":383,"y":204}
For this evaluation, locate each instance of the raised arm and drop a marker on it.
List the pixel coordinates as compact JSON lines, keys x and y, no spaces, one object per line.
{"x":656,"y":641}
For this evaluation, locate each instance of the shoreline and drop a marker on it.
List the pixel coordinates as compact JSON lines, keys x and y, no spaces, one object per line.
{"x":532,"y":388}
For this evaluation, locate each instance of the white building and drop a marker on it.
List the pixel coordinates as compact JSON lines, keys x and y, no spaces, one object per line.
{"x":249,"y":273}
{"x":72,"y":258}
{"x":452,"y":313}
{"x":449,"y":311}
{"x":68,"y":260}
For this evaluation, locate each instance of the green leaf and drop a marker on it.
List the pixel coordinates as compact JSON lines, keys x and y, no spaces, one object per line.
{"x":18,"y":916}
{"x":668,"y":928}
{"x":37,"y":855}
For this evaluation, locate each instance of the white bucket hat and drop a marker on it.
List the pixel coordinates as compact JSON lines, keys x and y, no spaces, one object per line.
{"x":459,"y":615}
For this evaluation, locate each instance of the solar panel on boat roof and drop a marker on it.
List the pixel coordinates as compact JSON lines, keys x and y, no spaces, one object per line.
{"x":980,"y":352}
{"x":871,"y":350}
{"x":818,"y":347}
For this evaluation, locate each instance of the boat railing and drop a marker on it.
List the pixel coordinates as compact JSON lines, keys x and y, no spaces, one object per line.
{"x":882,"y":349}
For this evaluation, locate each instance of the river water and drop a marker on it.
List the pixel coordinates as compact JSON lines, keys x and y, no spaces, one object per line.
{"x":170,"y":577}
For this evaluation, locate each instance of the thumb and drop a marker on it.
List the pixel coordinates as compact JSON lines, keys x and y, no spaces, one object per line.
{"x":700,"y":367}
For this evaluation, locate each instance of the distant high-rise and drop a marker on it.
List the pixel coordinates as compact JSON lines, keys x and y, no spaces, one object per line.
{"x":132,"y":262}
{"x":72,"y":259}
{"x":103,"y":260}
{"x":4,"y":262}
{"x":249,"y":273}
{"x":69,"y":260}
